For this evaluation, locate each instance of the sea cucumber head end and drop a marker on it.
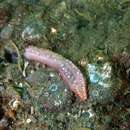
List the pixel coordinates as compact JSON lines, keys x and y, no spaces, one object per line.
{"x":28,"y":51}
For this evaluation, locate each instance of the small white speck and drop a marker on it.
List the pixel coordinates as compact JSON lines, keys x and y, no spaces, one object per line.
{"x":83,"y":111}
{"x":68,"y":113}
{"x":46,"y":94}
{"x":65,"y":90}
{"x":90,"y":113}
{"x":100,"y":58}
{"x":81,"y":80}
{"x":16,"y":103}
{"x":28,"y":120}
{"x":63,"y":68}
{"x":52,"y":74}
{"x":57,"y":103}
{"x":53,"y":30}
{"x":20,"y":85}
{"x":68,"y":76}
{"x":78,"y":72}
{"x":32,"y":71}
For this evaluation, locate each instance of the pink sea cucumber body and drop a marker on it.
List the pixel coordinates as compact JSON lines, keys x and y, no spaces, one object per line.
{"x":68,"y":71}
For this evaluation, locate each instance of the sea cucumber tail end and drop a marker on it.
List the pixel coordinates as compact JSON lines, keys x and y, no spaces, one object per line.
{"x":82,"y":93}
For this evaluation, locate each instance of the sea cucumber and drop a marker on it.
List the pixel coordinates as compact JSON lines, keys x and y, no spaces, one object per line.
{"x":71,"y":75}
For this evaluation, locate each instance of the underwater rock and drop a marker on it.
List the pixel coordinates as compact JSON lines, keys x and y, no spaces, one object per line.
{"x":68,"y":71}
{"x":11,"y":57}
{"x":49,"y":90}
{"x":27,"y":34}
{"x":33,"y":31}
{"x":100,"y":75}
{"x":6,"y":32}
{"x":100,"y":81}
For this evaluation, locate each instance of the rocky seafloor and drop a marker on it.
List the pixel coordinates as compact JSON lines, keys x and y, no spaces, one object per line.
{"x":94,"y":35}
